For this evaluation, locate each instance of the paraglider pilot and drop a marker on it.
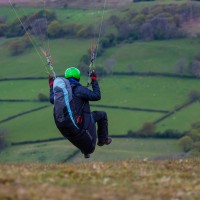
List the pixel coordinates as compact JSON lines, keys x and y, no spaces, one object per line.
{"x":72,"y":113}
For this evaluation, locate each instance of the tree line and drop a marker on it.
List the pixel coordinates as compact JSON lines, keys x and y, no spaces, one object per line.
{"x":151,"y":23}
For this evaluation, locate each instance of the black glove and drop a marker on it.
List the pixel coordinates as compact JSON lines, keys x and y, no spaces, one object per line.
{"x":93,"y":76}
{"x":51,"y":80}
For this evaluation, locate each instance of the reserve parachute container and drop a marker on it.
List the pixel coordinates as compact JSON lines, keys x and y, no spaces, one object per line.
{"x":64,"y":106}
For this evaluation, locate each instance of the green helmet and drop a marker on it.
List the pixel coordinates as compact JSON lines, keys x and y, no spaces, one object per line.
{"x":72,"y":72}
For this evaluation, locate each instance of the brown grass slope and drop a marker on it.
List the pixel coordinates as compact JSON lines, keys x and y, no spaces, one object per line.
{"x":175,"y":179}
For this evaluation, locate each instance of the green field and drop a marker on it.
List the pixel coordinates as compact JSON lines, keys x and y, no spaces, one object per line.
{"x":10,"y":109}
{"x":31,"y":64}
{"x":156,"y":56}
{"x":58,"y":152}
{"x":139,"y":92}
{"x":127,"y":91}
{"x":34,"y":126}
{"x":182,"y":120}
{"x":131,"y":92}
{"x":159,"y":56}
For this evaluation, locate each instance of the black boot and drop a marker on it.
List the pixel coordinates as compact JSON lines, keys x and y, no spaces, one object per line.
{"x":87,"y":155}
{"x":107,"y":141}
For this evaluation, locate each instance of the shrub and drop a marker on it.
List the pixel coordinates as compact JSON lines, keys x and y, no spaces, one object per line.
{"x":196,"y":125}
{"x":3,"y":29}
{"x":170,"y":133}
{"x":194,"y":95}
{"x":26,"y":41}
{"x":50,"y":16}
{"x":196,"y":146}
{"x":55,"y":29}
{"x":147,"y":31}
{"x":71,"y":29}
{"x":139,"y":19}
{"x":108,"y":41}
{"x":16,"y":48}
{"x":195,"y":68}
{"x":166,"y":134}
{"x":181,"y":66}
{"x":65,"y":6}
{"x":14,"y":29}
{"x":110,"y":64}
{"x":3,"y":19}
{"x":3,"y":142}
{"x":115,"y":20}
{"x":35,"y":23}
{"x":147,"y":129}
{"x":186,"y":143}
{"x":42,"y":97}
{"x":194,"y":153}
{"x":162,"y":27}
{"x":85,"y":60}
{"x":87,"y":32}
{"x":142,"y":0}
{"x":194,"y":135}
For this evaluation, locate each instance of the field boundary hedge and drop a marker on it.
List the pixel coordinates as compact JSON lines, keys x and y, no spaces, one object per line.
{"x":57,"y":139}
{"x":130,"y":108}
{"x":23,"y":78}
{"x":43,"y":107}
{"x":23,"y":113}
{"x":166,"y":75}
{"x":145,"y":74}
{"x":62,"y":138}
{"x":183,"y":106}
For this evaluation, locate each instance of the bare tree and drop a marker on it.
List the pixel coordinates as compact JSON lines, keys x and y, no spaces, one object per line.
{"x":195,"y":68}
{"x":194,"y":95}
{"x":147,"y":129}
{"x":130,"y":67}
{"x":181,"y":66}
{"x":110,"y":64}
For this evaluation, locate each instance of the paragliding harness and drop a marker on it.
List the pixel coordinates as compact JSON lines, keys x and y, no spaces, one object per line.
{"x":65,"y":113}
{"x":69,"y":121}
{"x":66,"y":117}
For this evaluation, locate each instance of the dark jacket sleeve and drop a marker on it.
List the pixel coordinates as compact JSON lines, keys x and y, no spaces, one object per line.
{"x":51,"y":96}
{"x":89,"y":95}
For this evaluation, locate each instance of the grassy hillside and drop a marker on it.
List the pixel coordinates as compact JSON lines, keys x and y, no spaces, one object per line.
{"x":30,"y":64}
{"x":64,"y":151}
{"x":127,"y":91}
{"x":156,"y":56}
{"x":117,"y":180}
{"x":133,"y":92}
{"x":182,"y":120}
